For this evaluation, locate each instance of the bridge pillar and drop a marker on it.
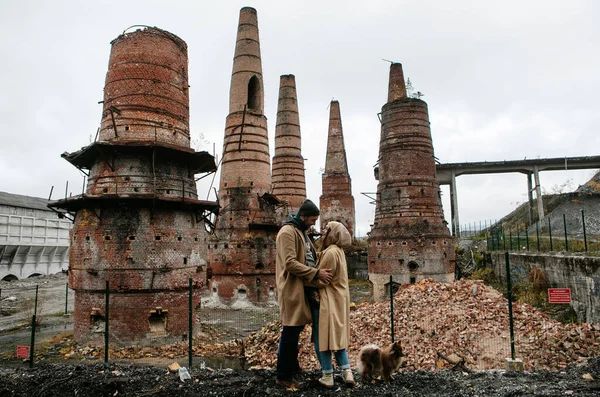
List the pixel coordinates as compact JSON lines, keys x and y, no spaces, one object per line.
{"x":530,"y":197}
{"x":538,"y":192}
{"x":454,"y":206}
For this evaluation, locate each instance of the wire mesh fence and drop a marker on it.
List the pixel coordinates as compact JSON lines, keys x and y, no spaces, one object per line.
{"x":552,"y":234}
{"x":434,"y":321}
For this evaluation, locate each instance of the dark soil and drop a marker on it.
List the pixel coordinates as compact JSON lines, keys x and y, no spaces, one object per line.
{"x":130,"y":380}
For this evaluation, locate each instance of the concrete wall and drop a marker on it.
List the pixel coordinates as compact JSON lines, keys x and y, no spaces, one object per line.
{"x":579,"y":273}
{"x":32,"y":241}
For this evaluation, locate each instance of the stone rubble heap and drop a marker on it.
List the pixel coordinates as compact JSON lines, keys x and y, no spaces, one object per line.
{"x":465,"y":319}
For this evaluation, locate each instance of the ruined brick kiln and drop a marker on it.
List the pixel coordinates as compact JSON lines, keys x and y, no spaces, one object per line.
{"x":242,"y":250}
{"x":336,"y":201}
{"x":409,"y":238}
{"x":139,"y":225}
{"x":289,"y":184}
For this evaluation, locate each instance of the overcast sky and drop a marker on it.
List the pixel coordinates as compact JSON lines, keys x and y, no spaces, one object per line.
{"x":503,"y":80}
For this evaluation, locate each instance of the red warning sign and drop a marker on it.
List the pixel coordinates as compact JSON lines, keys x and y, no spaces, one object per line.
{"x":22,"y":351}
{"x":559,"y":295}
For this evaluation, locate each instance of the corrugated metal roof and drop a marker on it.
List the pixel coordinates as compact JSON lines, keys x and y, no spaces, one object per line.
{"x":17,"y":200}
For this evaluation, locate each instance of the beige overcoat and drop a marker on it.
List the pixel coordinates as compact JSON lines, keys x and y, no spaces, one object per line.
{"x":334,"y":311}
{"x":291,"y":273}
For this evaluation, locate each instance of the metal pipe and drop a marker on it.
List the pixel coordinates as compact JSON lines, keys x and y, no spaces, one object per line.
{"x":32,"y":341}
{"x":106,"y":302}
{"x":33,"y":324}
{"x":584,"y":234}
{"x":550,"y":233}
{"x":566,"y":237}
{"x":392,"y":308}
{"x":510,"y":313}
{"x":190,"y":325}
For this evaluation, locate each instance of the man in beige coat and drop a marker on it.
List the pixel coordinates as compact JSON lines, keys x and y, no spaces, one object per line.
{"x":295,"y":264}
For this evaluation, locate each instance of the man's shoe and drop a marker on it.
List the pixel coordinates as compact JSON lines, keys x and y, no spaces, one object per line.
{"x":289,"y":384}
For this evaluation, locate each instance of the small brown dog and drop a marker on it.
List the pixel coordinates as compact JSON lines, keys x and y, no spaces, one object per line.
{"x":372,"y":359}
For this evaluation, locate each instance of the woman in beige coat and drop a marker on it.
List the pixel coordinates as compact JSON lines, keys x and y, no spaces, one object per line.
{"x":331,"y":328}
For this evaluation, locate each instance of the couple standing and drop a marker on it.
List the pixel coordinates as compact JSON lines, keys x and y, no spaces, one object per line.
{"x":313,"y":288}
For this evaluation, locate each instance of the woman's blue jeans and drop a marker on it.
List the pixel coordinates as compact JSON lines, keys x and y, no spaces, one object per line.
{"x":324,"y":357}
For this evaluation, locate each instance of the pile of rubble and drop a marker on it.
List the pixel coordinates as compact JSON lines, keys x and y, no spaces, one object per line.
{"x":438,"y":324}
{"x":465,"y":320}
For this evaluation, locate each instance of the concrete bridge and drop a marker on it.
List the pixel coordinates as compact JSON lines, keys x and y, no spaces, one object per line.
{"x":447,"y":173}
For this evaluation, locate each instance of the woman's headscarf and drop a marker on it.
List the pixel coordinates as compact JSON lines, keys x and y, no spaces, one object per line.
{"x":336,"y":234}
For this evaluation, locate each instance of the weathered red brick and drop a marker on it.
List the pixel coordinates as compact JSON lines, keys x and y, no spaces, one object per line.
{"x":409,"y":239}
{"x":336,"y":201}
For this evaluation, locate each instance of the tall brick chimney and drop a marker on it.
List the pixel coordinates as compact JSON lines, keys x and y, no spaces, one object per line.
{"x":409,"y":239}
{"x":336,"y":202}
{"x":137,"y":225}
{"x":288,"y":164}
{"x":242,"y":251}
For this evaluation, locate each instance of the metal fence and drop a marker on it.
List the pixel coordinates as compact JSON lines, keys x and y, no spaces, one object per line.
{"x":525,"y":319}
{"x":553,"y":233}
{"x":465,"y":334}
{"x":33,"y":330}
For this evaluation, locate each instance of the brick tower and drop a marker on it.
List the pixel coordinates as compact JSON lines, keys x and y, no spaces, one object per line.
{"x":336,"y":202}
{"x":409,"y":238}
{"x":138,"y":224}
{"x":288,"y":164}
{"x":242,"y":251}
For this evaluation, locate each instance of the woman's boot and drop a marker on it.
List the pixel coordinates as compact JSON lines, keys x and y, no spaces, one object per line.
{"x":327,"y":380}
{"x":348,"y":377}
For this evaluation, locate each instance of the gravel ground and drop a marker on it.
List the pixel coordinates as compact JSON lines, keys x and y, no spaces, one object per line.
{"x":129,"y":380}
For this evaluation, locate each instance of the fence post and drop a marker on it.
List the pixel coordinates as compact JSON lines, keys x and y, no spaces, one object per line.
{"x":510,"y":237}
{"x":392,"y":308}
{"x":33,"y":321}
{"x":537,"y":232}
{"x":66,"y":296}
{"x":503,"y":239}
{"x":550,"y":233}
{"x":584,"y":235}
{"x":518,"y":238}
{"x":510,"y":314}
{"x":106,"y":302}
{"x":190,"y":326}
{"x":566,"y":238}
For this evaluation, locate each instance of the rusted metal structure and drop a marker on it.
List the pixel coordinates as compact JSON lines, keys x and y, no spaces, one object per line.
{"x":409,"y":239}
{"x":242,"y":250}
{"x":336,"y":202}
{"x":289,"y":184}
{"x":139,"y":224}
